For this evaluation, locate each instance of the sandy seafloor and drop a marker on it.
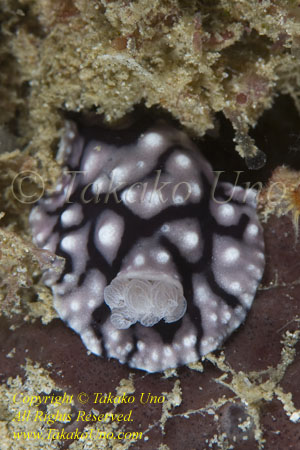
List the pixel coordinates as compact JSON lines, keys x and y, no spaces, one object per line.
{"x":244,"y":396}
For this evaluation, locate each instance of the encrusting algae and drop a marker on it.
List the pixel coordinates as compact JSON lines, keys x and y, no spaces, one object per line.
{"x":190,"y":58}
{"x":282,"y":196}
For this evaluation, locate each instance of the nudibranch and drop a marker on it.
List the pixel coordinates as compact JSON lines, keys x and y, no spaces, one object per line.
{"x":161,"y":262}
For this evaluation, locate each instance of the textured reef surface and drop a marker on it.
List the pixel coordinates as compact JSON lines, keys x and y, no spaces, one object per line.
{"x":207,"y":63}
{"x":162,"y":259}
{"x":192,"y":58}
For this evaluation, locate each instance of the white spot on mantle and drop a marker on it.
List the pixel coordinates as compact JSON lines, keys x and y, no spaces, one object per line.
{"x":231,"y":254}
{"x":226,"y":211}
{"x":190,"y":239}
{"x":139,"y":260}
{"x":252,"y":230}
{"x":183,"y":161}
{"x":152,"y":139}
{"x":107,"y":234}
{"x":162,"y":257}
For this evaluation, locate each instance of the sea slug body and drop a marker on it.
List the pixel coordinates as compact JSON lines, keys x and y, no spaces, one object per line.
{"x":162,"y":265}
